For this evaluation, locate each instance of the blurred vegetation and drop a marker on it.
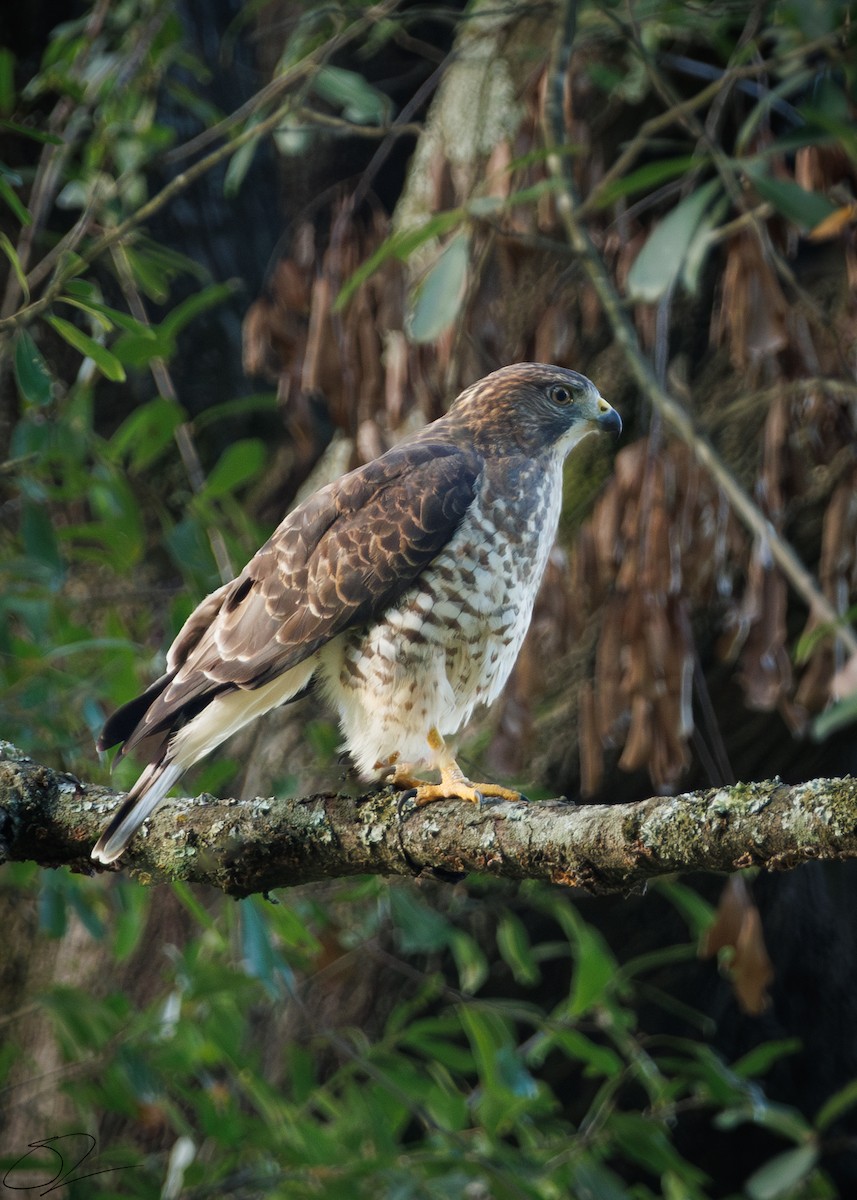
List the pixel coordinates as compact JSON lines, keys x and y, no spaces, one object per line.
{"x":115,"y":525}
{"x":458,"y":1095}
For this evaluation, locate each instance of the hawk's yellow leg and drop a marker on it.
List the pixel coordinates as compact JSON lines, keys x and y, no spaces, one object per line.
{"x":454,"y":784}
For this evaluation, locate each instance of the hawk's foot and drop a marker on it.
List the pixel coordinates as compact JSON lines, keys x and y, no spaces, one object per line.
{"x":462,"y":789}
{"x":454,"y":785}
{"x":402,"y":777}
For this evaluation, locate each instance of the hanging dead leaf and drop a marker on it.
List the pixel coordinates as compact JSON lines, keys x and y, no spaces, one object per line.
{"x":738,"y":928}
{"x":845,"y":680}
{"x":638,"y":743}
{"x":275,"y":325}
{"x":752,"y":315}
{"x":835,"y":224}
{"x":589,"y":743}
{"x":765,"y":667}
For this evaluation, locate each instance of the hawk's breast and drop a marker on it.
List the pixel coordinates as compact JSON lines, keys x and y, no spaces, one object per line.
{"x":450,"y":643}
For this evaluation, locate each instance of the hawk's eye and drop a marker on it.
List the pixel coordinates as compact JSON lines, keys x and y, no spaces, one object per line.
{"x":561,"y":394}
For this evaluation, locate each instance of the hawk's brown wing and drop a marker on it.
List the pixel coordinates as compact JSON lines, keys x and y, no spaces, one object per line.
{"x":340,"y":559}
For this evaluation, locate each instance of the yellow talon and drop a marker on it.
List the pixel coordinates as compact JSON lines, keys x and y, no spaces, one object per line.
{"x":454,"y":785}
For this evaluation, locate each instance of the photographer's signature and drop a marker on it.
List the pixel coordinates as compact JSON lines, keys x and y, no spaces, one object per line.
{"x":74,"y":1146}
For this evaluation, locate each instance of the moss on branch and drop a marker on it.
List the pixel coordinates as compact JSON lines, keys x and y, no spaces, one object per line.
{"x":246,"y":846}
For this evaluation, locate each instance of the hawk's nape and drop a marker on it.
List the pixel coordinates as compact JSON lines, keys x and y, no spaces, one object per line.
{"x":405,"y":588}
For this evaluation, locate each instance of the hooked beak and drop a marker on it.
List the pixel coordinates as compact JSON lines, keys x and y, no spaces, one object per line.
{"x":608,"y":419}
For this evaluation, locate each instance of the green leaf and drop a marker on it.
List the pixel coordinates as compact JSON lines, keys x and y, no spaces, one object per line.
{"x":594,"y":1181}
{"x":659,"y":264}
{"x":237,"y":464}
{"x":844,"y":712}
{"x":700,"y":244}
{"x":240,"y":163}
{"x":488,"y":1034}
{"x":805,"y":209}
{"x":350,"y":92}
{"x":470,"y":961}
{"x":781,"y":1175}
{"x":595,"y":967}
{"x":84,"y":906}
{"x":200,"y":302}
{"x":37,"y":135}
{"x":107,"y":363}
{"x":597,"y":1060}
{"x":419,"y":927}
{"x":190,"y":550}
{"x":52,"y":906}
{"x":438,"y":1040}
{"x":117,"y":510}
{"x":260,"y":958}
{"x":440,"y":294}
{"x":7,"y":83}
{"x":101,"y":319}
{"x":696,"y":912}
{"x":82,"y":289}
{"x":647,"y":177}
{"x":513,"y":1074}
{"x":38,"y":536}
{"x":31,"y":372}
{"x":798,"y":82}
{"x":513,"y":942}
{"x":779,"y":1118}
{"x":144,"y":435}
{"x":151,"y":275}
{"x":257,"y":402}
{"x":399,"y":245}
{"x":88,"y":294}
{"x":761,"y":1058}
{"x":830,"y":123}
{"x":643,"y":1141}
{"x":836,"y":1105}
{"x":87,"y":645}
{"x":139,"y":349}
{"x":12,"y":254}
{"x":8,"y":194}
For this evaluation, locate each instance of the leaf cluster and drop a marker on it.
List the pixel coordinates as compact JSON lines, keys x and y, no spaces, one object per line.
{"x":471,"y":1083}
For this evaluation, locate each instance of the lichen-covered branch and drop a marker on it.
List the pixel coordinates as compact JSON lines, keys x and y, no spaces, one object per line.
{"x":245,"y":846}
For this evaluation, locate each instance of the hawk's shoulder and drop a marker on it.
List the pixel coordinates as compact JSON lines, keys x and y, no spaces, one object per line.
{"x":353,"y":548}
{"x":338,"y":560}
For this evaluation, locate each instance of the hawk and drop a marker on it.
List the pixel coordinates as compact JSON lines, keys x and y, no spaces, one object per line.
{"x":404,"y":589}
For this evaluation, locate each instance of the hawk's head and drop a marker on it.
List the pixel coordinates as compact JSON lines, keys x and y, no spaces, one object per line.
{"x":534,"y":408}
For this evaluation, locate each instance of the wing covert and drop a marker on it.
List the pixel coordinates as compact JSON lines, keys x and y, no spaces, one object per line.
{"x":368,"y":537}
{"x":338,"y":560}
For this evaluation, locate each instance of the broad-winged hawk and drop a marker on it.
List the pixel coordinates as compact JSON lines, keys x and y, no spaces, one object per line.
{"x":405,"y":589}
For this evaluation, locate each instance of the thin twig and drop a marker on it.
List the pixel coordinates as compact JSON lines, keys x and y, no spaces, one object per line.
{"x":312,"y":118}
{"x":679,"y":111}
{"x":178,"y":184}
{"x":282,"y":84}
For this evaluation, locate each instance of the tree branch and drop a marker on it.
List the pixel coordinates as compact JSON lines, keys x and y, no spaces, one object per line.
{"x":246,"y":846}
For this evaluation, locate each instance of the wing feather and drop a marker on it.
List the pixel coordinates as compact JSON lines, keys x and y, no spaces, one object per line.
{"x":340,"y":559}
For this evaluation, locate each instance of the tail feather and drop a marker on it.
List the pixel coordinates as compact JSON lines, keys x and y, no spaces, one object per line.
{"x":147,"y":794}
{"x":126,"y":720}
{"x":175,"y":738}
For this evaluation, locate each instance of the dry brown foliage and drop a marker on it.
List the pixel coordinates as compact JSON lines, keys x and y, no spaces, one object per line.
{"x":660,"y":555}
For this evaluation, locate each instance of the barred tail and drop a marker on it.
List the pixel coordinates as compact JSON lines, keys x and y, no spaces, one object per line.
{"x":145,"y":796}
